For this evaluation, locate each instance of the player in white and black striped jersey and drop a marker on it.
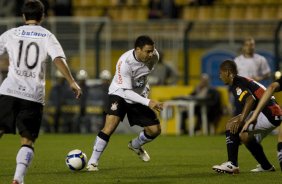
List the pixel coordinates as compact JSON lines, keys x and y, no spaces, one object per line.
{"x":22,"y":92}
{"x":128,"y":94}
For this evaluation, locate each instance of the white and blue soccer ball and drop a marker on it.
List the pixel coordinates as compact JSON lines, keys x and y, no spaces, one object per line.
{"x":76,"y":160}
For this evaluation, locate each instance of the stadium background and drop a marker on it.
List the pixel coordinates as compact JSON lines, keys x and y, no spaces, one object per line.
{"x":101,"y":30}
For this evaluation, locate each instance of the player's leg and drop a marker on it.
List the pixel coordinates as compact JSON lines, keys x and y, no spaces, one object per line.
{"x":232,"y":144}
{"x":256,"y":150}
{"x":116,"y":111}
{"x":102,"y":140}
{"x":7,"y":116}
{"x":24,"y":157}
{"x":279,"y":146}
{"x":29,"y":117}
{"x":144,"y":137}
{"x":147,"y":135}
{"x":145,"y":117}
{"x":252,"y":138}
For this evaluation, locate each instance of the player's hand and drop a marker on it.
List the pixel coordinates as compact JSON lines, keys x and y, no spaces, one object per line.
{"x":251,"y":121}
{"x":234,"y":127}
{"x":155,"y":105}
{"x":76,"y":89}
{"x":234,"y":124}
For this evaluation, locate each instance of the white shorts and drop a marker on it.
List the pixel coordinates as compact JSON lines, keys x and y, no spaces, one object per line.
{"x":262,"y":128}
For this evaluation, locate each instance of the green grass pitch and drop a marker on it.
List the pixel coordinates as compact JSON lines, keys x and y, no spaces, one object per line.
{"x":174,"y":159}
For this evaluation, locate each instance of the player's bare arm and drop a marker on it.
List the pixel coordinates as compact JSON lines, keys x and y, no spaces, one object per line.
{"x":235,"y":126}
{"x":265,"y":98}
{"x":63,"y":68}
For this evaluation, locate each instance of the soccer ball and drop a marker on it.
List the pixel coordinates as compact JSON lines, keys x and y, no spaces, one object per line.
{"x":76,"y":160}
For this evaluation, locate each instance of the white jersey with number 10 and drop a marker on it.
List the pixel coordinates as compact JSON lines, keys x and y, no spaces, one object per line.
{"x":28,"y":47}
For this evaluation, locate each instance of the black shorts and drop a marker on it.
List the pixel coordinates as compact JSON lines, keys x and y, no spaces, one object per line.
{"x":137,"y":114}
{"x":23,"y":114}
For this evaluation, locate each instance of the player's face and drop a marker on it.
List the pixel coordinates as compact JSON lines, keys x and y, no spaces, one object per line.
{"x":249,"y":47}
{"x":146,"y":53}
{"x":224,"y":76}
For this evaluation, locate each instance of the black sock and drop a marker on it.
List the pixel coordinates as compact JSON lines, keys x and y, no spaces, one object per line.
{"x":104,"y":136}
{"x":257,"y":151}
{"x":279,"y":154}
{"x":232,"y":143}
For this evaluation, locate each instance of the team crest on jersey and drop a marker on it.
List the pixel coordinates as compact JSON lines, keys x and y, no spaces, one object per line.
{"x":114,"y":106}
{"x":238,"y":91}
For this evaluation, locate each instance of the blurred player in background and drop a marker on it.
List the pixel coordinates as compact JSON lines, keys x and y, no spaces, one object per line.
{"x":163,"y":73}
{"x":23,"y":91}
{"x":253,"y":120}
{"x":251,"y":64}
{"x":128,"y":94}
{"x":247,"y":94}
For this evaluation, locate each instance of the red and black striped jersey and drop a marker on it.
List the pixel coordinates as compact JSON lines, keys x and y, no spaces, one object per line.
{"x":243,"y":87}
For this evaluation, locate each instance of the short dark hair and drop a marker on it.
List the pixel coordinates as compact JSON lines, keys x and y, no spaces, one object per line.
{"x":229,"y":65}
{"x":33,"y":10}
{"x":143,"y":40}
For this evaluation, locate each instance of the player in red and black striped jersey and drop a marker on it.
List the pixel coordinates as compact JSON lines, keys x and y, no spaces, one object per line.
{"x":252,"y":121}
{"x":247,"y":94}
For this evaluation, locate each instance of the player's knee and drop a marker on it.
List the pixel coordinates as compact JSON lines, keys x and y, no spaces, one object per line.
{"x":280,"y":137}
{"x":158,"y":131}
{"x":27,"y":138}
{"x":153,"y":131}
{"x":244,"y":137}
{"x":27,"y":141}
{"x":280,"y":134}
{"x":110,"y":124}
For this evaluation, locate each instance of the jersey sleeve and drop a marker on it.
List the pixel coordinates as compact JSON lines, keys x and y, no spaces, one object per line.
{"x":54,"y":48}
{"x":3,"y":40}
{"x":265,"y":68}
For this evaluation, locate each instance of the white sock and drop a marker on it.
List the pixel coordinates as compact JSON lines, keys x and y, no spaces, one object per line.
{"x":140,"y":140}
{"x":24,"y":158}
{"x":99,"y":147}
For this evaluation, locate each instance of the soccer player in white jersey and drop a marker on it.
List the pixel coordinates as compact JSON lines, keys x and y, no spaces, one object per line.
{"x":22,"y":92}
{"x":251,"y":64}
{"x":128,"y":94}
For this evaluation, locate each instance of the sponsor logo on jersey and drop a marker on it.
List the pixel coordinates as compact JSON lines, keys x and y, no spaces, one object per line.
{"x":24,"y":33}
{"x":140,"y":82}
{"x":21,"y":88}
{"x":242,"y":95}
{"x":119,"y":73}
{"x":238,"y":91}
{"x":24,"y":94}
{"x":114,"y":106}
